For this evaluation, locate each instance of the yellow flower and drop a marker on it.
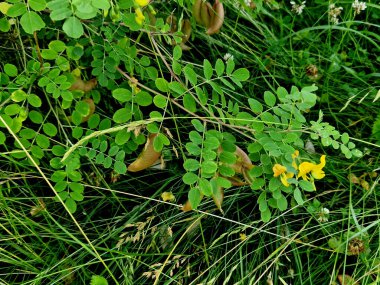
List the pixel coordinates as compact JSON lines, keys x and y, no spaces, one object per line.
{"x":139,"y":16}
{"x":280,"y":170}
{"x":142,"y":3}
{"x":315,"y":169}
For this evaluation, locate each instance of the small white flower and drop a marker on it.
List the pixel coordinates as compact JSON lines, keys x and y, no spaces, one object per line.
{"x":323,"y":219}
{"x":358,"y":6}
{"x":298,"y":8}
{"x":334,"y":12}
{"x":323,"y":215}
{"x":325,"y":211}
{"x":228,"y":56}
{"x":248,"y":2}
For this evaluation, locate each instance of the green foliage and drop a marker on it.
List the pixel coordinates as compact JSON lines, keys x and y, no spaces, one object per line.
{"x":376,"y":129}
{"x":98,"y":280}
{"x":84,"y":89}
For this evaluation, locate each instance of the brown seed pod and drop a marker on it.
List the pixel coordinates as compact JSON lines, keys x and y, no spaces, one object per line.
{"x":91,"y":104}
{"x":147,"y":157}
{"x":197,"y":11}
{"x":186,"y":30}
{"x":217,"y":18}
{"x":206,"y":14}
{"x":172,"y":21}
{"x":85,"y":86}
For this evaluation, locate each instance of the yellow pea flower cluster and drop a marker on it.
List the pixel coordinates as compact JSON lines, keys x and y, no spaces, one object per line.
{"x":307,"y":170}
{"x":139,"y":14}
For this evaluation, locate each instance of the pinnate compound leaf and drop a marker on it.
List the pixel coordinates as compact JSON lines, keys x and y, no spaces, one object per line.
{"x":205,"y":187}
{"x":298,"y":196}
{"x":266,"y":215}
{"x":15,"y":10}
{"x":122,"y":95}
{"x":18,"y":95}
{"x":207,"y":69}
{"x":190,"y":74}
{"x":190,"y":178}
{"x":71,"y":205}
{"x":241,"y":74}
{"x":162,"y":84}
{"x":10,"y":70}
{"x":255,"y":106}
{"x":269,"y":98}
{"x":121,"y":116}
{"x":31,"y":22}
{"x":194,"y":198}
{"x":98,"y":280}
{"x":101,"y":4}
{"x":219,"y":67}
{"x":73,"y":28}
{"x":120,"y":167}
{"x":37,"y":5}
{"x":5,"y":26}
{"x":191,"y":165}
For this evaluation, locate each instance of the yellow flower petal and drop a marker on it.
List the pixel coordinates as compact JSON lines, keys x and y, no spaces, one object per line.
{"x":318,"y":174}
{"x":278,"y":169}
{"x":139,"y":16}
{"x":284,"y":180}
{"x":315,"y":169}
{"x":323,"y":161}
{"x":289,"y":175}
{"x":305,"y":168}
{"x":142,"y":3}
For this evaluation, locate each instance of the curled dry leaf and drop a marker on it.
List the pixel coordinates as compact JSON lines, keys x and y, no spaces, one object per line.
{"x":85,"y":86}
{"x":347,"y":280}
{"x":353,"y":178}
{"x":167,"y":196}
{"x":187,"y":207}
{"x":218,"y":197}
{"x":36,"y":210}
{"x":185,"y":29}
{"x":235,"y":181}
{"x":147,"y":157}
